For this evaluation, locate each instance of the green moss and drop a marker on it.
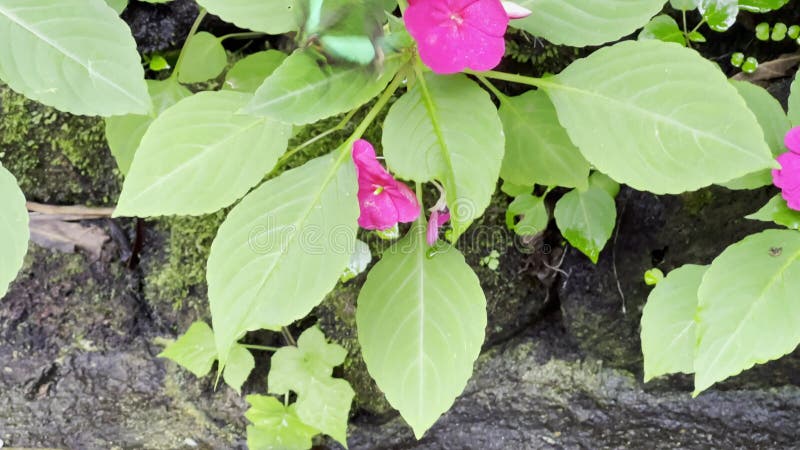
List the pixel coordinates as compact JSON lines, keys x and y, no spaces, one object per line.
{"x":56,"y":157}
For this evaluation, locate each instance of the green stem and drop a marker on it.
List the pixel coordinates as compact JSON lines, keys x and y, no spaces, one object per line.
{"x":192,"y":32}
{"x":288,"y":336}
{"x":261,"y":347}
{"x":375,"y":110}
{"x":698,"y":26}
{"x":318,"y":137}
{"x":500,"y":96}
{"x":514,"y":78}
{"x":248,"y":35}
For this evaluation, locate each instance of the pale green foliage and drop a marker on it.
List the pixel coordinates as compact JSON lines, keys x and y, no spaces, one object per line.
{"x":269,"y":16}
{"x":664,"y":28}
{"x":275,"y":426}
{"x":14,"y":232}
{"x":196,"y":352}
{"x":421,"y":324}
{"x":774,"y":123}
{"x":748,"y":311}
{"x":124,"y":133}
{"x":323,"y":402}
{"x":794,"y":102}
{"x":664,"y":137}
{"x":668,"y":326}
{"x":302,"y":91}
{"x":777,"y":211}
{"x":249,"y":72}
{"x":605,"y":183}
{"x":118,"y":5}
{"x":586,"y":219}
{"x":77,"y":56}
{"x":586,"y":22}
{"x":447,"y":128}
{"x":204,"y":58}
{"x":534,"y":215}
{"x":294,"y":226}
{"x":538,"y":149}
{"x":719,"y":14}
{"x":215,"y":156}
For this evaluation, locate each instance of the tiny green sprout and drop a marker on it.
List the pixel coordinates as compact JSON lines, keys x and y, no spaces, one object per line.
{"x":492,"y":260}
{"x":750,"y":65}
{"x":794,"y":32}
{"x":737,"y":59}
{"x":779,"y":32}
{"x":158,"y":63}
{"x":696,"y":36}
{"x":762,"y":31}
{"x":653,"y":276}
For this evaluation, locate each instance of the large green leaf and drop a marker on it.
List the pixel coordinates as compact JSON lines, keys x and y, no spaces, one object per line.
{"x":75,"y":55}
{"x":205,"y":59}
{"x":251,"y":71}
{"x":668,"y":326}
{"x":421,"y":324}
{"x":269,"y":16}
{"x":275,"y":426}
{"x":447,"y":128}
{"x":323,"y":402}
{"x":301,"y":91}
{"x":749,"y":311}
{"x":659,"y":117}
{"x":761,"y":6}
{"x":538,"y":149}
{"x":201,"y":155}
{"x":586,"y":22}
{"x":14,"y":233}
{"x":586,"y":219}
{"x":282,"y":249}
{"x":773,"y":122}
{"x":124,"y":133}
{"x":778,"y":211}
{"x":719,"y":14}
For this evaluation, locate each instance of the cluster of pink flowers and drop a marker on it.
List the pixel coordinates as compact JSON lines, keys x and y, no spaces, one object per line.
{"x":788,"y":176}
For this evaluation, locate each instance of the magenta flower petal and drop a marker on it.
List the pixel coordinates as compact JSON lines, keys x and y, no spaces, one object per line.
{"x":383,"y":201}
{"x":514,"y":10}
{"x":787,"y":178}
{"x":437,"y":221}
{"x":453,"y":35}
{"x":792,"y":140}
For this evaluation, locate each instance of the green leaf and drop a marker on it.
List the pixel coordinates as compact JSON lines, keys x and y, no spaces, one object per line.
{"x":421,"y":324}
{"x":604,"y":182}
{"x":773,"y":122}
{"x":76,"y":56}
{"x":272,"y":16}
{"x":213,"y":156}
{"x":14,"y":233}
{"x":359,"y":261}
{"x":777,"y":211}
{"x":281,"y":249}
{"x":275,"y":426}
{"x":684,"y":5}
{"x":668,"y":326}
{"x":586,"y":219}
{"x":251,"y":71}
{"x":322,"y":401}
{"x":719,"y":14}
{"x":794,"y":101}
{"x":204,"y":59}
{"x":195,"y":350}
{"x":761,"y":6}
{"x":748,"y":311}
{"x":240,"y":364}
{"x":118,"y":5}
{"x":534,"y":215}
{"x":662,"y":137}
{"x":538,"y":149}
{"x":124,"y":133}
{"x":579,"y":23}
{"x":447,"y":128}
{"x":300,"y":91}
{"x":664,"y":28}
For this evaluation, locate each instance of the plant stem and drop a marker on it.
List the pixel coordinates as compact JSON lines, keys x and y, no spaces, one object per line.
{"x":345,"y":120}
{"x":514,"y":78}
{"x":200,"y":16}
{"x":288,"y":336}
{"x":698,"y":26}
{"x":247,"y":35}
{"x":500,"y":96}
{"x":375,"y":110}
{"x":260,"y":347}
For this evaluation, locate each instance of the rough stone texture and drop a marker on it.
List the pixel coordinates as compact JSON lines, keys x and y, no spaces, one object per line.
{"x":158,"y":28}
{"x":538,"y":392}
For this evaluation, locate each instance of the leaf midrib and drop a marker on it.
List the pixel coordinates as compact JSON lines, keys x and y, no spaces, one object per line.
{"x":92,"y":73}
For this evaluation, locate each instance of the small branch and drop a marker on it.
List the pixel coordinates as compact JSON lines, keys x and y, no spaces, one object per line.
{"x":260,"y":347}
{"x":503,"y":98}
{"x":192,"y":32}
{"x":283,"y":159}
{"x":288,"y":336}
{"x":248,"y":35}
{"x":70,"y":213}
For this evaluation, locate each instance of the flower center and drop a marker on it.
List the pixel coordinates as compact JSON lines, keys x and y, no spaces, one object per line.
{"x":456,"y":17}
{"x":378,"y":189}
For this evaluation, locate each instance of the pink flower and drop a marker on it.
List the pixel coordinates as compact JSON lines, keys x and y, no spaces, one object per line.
{"x":453,"y":35}
{"x":787,"y":178}
{"x":438,"y":219}
{"x":383,"y":200}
